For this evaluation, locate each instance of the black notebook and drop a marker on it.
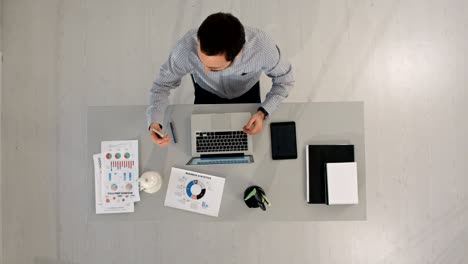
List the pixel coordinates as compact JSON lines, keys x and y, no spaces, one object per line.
{"x":316,"y":158}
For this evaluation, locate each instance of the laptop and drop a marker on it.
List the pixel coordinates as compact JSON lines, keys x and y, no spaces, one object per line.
{"x":219,"y":139}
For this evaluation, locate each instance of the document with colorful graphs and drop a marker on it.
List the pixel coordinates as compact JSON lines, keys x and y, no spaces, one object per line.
{"x":100,"y":209}
{"x":119,"y":179}
{"x":196,"y":192}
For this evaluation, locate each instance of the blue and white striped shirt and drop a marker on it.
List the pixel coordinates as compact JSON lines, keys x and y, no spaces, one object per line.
{"x":259,"y":54}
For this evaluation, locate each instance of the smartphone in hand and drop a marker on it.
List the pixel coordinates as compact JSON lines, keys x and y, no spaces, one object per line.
{"x":161,"y":135}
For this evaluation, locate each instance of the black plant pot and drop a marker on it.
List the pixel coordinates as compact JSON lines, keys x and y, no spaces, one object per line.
{"x":256,"y":200}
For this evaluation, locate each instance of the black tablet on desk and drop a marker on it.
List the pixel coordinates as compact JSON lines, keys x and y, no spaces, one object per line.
{"x":283,"y":140}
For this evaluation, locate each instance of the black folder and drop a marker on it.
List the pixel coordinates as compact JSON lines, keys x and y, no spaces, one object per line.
{"x":317,"y":156}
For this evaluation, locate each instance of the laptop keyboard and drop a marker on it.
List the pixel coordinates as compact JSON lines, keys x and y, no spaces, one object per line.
{"x":225,"y":141}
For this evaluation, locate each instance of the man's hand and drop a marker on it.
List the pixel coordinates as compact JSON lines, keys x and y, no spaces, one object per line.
{"x":255,"y":123}
{"x":156,"y":138}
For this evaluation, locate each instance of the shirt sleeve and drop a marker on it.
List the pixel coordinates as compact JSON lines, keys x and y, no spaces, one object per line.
{"x":280,"y":72}
{"x":169,"y":77}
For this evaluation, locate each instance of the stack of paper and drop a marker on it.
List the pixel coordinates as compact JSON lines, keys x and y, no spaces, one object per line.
{"x":116,"y":177}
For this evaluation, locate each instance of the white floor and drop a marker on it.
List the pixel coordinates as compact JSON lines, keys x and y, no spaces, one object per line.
{"x":407,"y":60}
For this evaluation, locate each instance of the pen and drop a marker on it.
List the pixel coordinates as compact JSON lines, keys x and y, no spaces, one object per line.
{"x":172,"y":131}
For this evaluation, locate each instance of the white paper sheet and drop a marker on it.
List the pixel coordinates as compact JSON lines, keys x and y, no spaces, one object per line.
{"x":342,"y":183}
{"x":100,"y":209}
{"x":195,"y":192}
{"x":119,"y":172}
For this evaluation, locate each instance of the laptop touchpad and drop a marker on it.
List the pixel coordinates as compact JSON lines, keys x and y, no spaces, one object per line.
{"x":221,"y":121}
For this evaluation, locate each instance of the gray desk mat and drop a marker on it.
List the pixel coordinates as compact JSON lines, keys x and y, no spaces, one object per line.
{"x":284,"y":181}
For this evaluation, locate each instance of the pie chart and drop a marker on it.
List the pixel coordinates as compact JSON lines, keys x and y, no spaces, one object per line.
{"x":195,"y":190}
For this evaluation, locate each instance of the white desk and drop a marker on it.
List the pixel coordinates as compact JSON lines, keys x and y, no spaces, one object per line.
{"x":283,"y":180}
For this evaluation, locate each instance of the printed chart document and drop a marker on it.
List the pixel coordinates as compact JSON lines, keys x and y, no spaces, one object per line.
{"x":195,"y":192}
{"x":119,"y":181}
{"x":100,"y":209}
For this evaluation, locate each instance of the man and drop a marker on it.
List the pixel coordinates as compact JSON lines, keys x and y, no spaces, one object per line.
{"x":225,"y":61}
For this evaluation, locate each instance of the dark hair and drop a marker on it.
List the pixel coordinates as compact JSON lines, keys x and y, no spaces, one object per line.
{"x":221,"y":33}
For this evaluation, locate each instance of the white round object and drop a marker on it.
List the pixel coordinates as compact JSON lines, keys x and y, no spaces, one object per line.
{"x":150,"y":182}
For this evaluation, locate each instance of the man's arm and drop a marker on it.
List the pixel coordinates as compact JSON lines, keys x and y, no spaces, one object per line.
{"x":280,"y":71}
{"x":170,"y":75}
